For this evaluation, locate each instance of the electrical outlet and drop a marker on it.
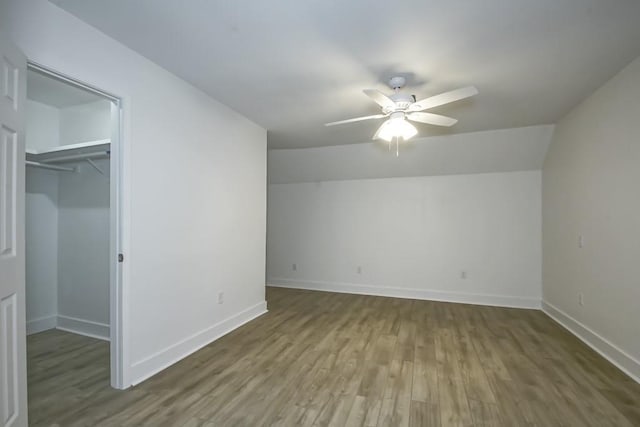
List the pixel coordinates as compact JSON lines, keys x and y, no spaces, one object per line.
{"x":359,"y":269}
{"x":220,"y":297}
{"x":580,"y":241}
{"x":294,"y":267}
{"x":463,"y":274}
{"x":581,"y":299}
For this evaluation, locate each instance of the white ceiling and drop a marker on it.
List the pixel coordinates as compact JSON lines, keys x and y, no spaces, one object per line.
{"x":292,"y":65}
{"x":49,"y":91}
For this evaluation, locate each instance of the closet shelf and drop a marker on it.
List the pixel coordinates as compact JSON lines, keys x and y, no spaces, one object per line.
{"x":72,"y":152}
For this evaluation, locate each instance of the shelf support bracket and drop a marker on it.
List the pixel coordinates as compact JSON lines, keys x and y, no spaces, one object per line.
{"x":96,"y":167}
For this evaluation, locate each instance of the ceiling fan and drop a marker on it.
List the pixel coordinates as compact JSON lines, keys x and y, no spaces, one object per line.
{"x":400,"y":107}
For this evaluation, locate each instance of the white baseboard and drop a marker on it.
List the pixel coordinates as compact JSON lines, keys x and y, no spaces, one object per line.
{"x":161,"y":360}
{"x":625,"y":362}
{"x":41,"y":324}
{"x":422,"y":294}
{"x":84,"y":327}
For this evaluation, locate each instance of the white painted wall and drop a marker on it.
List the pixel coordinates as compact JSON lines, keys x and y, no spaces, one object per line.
{"x":83,"y":246}
{"x":41,"y":223}
{"x":412,"y":237}
{"x":42,"y":130}
{"x":503,"y":150}
{"x":590,"y":188}
{"x":83,"y":226}
{"x":85,"y":122}
{"x":195,"y":190}
{"x":50,"y":127}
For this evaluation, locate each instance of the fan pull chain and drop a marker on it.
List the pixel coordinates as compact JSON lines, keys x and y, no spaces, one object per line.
{"x":397,"y":146}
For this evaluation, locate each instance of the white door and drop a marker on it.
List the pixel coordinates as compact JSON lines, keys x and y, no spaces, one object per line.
{"x":13,"y":358}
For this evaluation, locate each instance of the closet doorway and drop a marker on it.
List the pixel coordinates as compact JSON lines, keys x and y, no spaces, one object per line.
{"x":72,"y":227}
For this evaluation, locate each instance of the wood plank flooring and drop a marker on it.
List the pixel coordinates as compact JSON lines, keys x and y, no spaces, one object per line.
{"x":334,"y":359}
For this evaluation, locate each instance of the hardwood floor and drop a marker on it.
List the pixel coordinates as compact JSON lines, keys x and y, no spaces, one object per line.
{"x":334,"y":359}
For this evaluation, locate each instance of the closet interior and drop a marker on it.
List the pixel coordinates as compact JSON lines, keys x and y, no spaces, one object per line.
{"x":68,"y":131}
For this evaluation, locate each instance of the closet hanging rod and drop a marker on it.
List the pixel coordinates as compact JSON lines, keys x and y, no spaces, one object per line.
{"x":83,"y":156}
{"x":50,"y":167}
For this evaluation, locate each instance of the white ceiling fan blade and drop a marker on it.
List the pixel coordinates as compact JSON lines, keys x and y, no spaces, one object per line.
{"x":357,"y":119}
{"x":443,"y":98}
{"x":432,"y":119}
{"x":380,"y":98}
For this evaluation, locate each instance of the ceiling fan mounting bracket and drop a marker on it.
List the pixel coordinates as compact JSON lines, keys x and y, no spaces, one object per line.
{"x":397,"y":82}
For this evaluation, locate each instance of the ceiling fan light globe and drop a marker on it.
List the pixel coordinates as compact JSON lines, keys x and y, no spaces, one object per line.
{"x":396,"y":128}
{"x":384,"y":132}
{"x":408,"y":130}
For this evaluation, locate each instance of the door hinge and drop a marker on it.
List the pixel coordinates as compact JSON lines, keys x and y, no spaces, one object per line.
{"x":120,"y":257}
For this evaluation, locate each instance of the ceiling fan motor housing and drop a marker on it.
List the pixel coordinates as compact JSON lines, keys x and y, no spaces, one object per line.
{"x":402,"y":101}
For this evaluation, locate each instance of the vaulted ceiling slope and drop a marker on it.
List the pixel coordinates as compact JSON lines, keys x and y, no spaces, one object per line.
{"x":292,"y":65}
{"x":503,"y":150}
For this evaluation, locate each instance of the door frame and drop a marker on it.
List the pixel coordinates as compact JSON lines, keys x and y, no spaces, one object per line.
{"x":117,"y":302}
